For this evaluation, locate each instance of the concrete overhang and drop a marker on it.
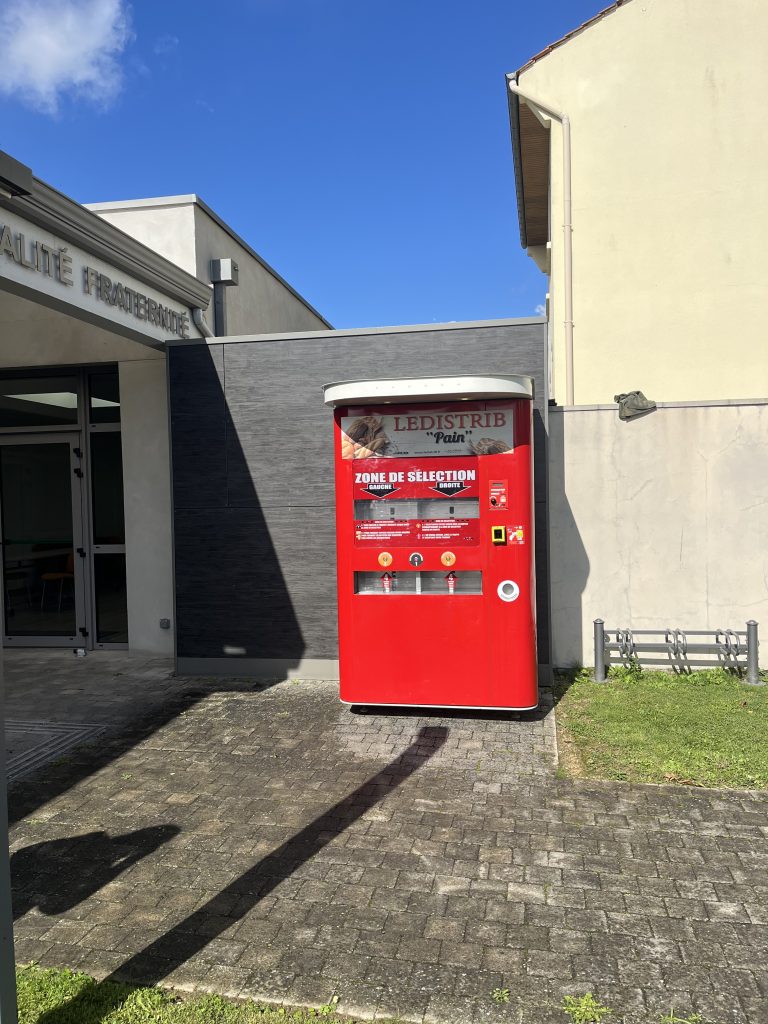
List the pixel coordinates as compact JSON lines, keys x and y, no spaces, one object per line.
{"x":530,"y":151}
{"x":68,"y":220}
{"x":36,"y":334}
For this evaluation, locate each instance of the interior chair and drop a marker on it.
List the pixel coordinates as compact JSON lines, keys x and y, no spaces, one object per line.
{"x":60,"y":578}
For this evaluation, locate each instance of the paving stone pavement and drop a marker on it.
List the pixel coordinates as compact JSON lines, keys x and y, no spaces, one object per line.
{"x":272,"y":844}
{"x":55,"y":701}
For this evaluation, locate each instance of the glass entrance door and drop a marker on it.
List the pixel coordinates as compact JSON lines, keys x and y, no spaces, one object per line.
{"x":43,"y":551}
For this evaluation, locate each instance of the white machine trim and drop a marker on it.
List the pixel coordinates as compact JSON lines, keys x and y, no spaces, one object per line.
{"x":428,"y":389}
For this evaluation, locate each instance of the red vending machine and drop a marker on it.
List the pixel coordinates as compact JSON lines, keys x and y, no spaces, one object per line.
{"x":434,"y":525}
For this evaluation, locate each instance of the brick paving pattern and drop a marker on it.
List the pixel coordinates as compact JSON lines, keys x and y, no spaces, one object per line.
{"x":271,"y":844}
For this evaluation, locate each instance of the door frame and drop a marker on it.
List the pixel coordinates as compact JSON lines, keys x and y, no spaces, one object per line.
{"x":85,"y":567}
{"x":83,"y":633}
{"x":93,"y":549}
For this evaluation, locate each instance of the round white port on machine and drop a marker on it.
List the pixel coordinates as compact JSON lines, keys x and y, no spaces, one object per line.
{"x":508,"y":590}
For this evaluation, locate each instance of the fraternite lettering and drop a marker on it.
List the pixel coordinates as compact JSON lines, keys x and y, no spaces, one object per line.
{"x":135,"y":303}
{"x":57,"y":263}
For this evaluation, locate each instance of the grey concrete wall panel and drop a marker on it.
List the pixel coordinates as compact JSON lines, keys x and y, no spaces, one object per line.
{"x":231,"y":596}
{"x":198,"y":427}
{"x":255,"y":560}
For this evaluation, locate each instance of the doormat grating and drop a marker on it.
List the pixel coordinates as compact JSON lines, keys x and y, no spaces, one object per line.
{"x":32,"y":744}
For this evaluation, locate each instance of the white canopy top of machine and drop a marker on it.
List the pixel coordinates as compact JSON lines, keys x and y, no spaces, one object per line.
{"x":465,"y":387}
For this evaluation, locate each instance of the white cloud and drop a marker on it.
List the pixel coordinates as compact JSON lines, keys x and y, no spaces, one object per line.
{"x":49,"y":48}
{"x":166,"y":44}
{"x":540,"y":310}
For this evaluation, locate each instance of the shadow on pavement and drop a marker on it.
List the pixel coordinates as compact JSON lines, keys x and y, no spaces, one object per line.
{"x":58,"y":874}
{"x":51,"y":781}
{"x":159,"y":959}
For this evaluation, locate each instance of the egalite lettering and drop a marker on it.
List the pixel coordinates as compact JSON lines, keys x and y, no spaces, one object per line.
{"x":36,"y":256}
{"x":56,"y":263}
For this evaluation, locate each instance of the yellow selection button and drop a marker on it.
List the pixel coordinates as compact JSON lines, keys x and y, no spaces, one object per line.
{"x":448,"y":558}
{"x":385,"y":559}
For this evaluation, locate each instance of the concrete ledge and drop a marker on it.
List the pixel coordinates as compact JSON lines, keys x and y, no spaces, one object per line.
{"x":260,"y":668}
{"x":349,"y":332}
{"x":704,"y":403}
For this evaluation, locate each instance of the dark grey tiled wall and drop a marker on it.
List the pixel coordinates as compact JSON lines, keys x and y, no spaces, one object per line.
{"x":253,"y":477}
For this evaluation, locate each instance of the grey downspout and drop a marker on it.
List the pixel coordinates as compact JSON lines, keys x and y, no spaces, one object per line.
{"x":220,"y":308}
{"x":198,"y":319}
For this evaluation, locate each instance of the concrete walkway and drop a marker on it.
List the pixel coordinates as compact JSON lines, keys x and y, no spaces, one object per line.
{"x":272,"y":844}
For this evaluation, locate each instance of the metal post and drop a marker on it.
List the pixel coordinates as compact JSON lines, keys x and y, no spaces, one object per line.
{"x":753,"y":667}
{"x":599,"y":651}
{"x":8,"y":1010}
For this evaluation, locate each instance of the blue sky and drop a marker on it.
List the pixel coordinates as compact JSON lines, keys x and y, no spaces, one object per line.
{"x":361,"y":148}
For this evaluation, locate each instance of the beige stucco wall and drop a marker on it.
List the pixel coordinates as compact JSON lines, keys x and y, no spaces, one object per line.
{"x":661,"y":521}
{"x":169,"y":229}
{"x":147,"y":489}
{"x":669,"y":200}
{"x":185,"y":233}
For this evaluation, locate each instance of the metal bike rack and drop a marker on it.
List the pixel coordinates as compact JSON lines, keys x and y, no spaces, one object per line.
{"x":735,"y":649}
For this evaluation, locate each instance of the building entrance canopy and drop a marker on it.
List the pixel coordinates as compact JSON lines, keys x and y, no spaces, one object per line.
{"x":57,"y":254}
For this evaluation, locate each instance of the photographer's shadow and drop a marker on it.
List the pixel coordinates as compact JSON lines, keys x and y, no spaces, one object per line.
{"x":58,"y":874}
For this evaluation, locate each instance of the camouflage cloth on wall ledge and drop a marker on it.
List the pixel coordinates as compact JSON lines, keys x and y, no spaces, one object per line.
{"x":633,"y":403}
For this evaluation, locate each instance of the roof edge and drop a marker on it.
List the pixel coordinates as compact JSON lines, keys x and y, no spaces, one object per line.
{"x":353,"y":332}
{"x":192,"y":199}
{"x":152,"y":202}
{"x":513,"y":101}
{"x":259,"y":259}
{"x":569,"y":35}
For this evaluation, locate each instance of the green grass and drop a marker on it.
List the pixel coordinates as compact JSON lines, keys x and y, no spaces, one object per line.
{"x":704,"y":729}
{"x":53,"y":996}
{"x":49,"y":996}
